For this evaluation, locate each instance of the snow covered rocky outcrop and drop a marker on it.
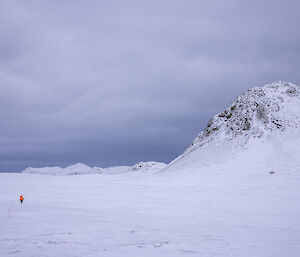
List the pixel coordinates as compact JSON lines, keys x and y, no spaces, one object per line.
{"x":256,"y":113}
{"x":148,"y":166}
{"x":260,"y":124}
{"x":75,"y":169}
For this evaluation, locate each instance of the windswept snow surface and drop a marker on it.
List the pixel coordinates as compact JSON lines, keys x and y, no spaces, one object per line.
{"x":235,"y":192}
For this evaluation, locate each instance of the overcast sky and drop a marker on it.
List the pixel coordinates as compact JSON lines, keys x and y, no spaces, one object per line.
{"x":117,"y":82}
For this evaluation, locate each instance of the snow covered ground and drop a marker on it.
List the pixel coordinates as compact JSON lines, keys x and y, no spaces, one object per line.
{"x":192,"y":214}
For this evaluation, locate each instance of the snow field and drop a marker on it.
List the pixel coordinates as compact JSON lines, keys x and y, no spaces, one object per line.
{"x":156,"y":215}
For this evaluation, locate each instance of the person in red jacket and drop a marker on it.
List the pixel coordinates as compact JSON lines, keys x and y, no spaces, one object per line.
{"x":21,"y":198}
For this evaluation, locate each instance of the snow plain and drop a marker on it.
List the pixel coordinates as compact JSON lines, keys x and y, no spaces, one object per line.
{"x":189,"y":213}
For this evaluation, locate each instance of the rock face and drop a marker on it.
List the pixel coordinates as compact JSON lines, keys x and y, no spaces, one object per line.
{"x":256,"y":113}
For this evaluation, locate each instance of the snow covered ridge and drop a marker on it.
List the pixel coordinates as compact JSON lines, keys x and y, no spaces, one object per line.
{"x":75,"y":169}
{"x":256,"y":113}
{"x":148,"y":166}
{"x":81,"y":168}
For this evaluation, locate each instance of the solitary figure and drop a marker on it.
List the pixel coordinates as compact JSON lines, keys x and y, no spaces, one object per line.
{"x":21,"y":198}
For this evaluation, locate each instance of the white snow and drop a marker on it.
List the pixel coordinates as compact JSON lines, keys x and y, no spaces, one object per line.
{"x":219,"y":198}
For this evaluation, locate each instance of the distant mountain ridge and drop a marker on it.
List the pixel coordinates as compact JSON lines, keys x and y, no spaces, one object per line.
{"x":75,"y":169}
{"x":80,"y":168}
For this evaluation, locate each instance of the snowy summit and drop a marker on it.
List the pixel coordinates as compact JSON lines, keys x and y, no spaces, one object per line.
{"x":256,"y":113}
{"x":256,"y":121}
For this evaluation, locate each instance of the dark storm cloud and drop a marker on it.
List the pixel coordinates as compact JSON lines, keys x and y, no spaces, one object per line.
{"x":116,"y":82}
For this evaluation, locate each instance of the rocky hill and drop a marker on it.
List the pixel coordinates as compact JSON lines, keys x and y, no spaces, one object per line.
{"x":261,"y":115}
